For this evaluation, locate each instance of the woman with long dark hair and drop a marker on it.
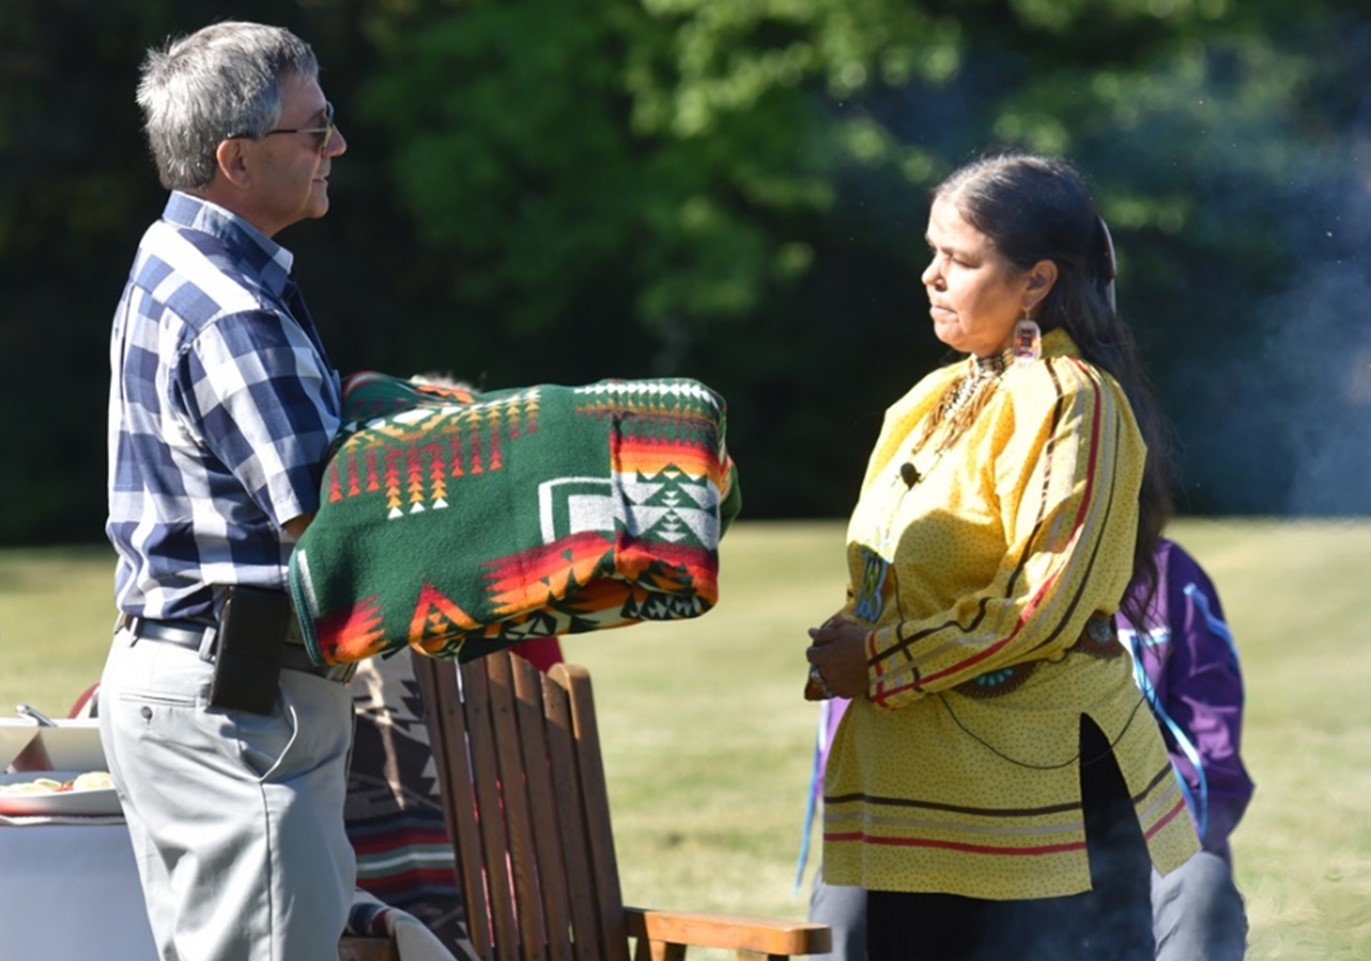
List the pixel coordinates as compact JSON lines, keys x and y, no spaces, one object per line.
{"x":998,"y":786}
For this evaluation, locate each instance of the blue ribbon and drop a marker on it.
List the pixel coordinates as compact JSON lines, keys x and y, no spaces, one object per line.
{"x":815,"y":776}
{"x":1161,"y":636}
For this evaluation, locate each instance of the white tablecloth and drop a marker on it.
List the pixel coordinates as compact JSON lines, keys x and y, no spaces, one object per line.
{"x":70,"y":892}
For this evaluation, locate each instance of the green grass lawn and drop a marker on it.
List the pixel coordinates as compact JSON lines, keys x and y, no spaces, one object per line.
{"x":708,"y":742}
{"x":56,"y":616}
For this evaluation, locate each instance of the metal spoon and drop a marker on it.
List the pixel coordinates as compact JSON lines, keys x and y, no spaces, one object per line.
{"x":33,"y":712}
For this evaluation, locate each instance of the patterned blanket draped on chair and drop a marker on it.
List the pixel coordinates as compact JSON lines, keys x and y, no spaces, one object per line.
{"x":394,"y":808}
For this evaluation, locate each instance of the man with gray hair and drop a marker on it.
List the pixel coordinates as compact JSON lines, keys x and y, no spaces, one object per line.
{"x":227,"y":743}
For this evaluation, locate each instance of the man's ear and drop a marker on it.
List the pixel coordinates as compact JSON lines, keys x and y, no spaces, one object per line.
{"x":231,"y":157}
{"x":1038,"y":282}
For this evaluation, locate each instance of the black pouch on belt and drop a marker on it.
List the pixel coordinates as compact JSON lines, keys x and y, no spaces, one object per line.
{"x":247,"y":660}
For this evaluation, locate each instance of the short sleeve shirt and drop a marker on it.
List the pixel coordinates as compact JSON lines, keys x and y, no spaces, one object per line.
{"x":222,"y":408}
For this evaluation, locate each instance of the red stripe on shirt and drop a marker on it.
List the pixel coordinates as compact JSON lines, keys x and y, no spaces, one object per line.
{"x":1040,"y":850}
{"x":1165,"y":820}
{"x":990,"y":849}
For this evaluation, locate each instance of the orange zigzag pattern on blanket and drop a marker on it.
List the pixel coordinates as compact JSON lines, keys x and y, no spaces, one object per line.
{"x":573,"y":567}
{"x":436,"y":618}
{"x":353,"y":633}
{"x":526,"y":580}
{"x":650,"y":456}
{"x":671,"y":568}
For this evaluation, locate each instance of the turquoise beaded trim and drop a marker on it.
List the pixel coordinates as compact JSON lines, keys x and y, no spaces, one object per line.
{"x":995,"y":678}
{"x":1099,"y":639}
{"x":998,"y":682}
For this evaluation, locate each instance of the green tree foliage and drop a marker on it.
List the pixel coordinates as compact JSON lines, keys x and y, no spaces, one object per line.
{"x":1230,"y":170}
{"x":650,"y":188}
{"x":561,"y":190}
{"x":747,"y":179}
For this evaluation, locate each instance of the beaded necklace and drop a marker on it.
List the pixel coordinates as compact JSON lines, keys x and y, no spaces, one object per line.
{"x":959,"y":406}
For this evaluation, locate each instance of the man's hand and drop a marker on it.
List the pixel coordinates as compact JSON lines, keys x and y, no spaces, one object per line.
{"x":295,"y":527}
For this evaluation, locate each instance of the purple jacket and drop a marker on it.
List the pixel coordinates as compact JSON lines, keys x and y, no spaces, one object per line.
{"x":1187,"y":667}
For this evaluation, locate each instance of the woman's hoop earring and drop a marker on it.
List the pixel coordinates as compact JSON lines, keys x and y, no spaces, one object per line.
{"x":1028,"y":340}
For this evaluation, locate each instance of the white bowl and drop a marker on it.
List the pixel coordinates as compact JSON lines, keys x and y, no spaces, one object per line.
{"x":15,"y":735}
{"x":74,"y":745}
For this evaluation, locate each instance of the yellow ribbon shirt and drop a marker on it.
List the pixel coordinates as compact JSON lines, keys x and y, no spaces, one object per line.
{"x":986,"y":572}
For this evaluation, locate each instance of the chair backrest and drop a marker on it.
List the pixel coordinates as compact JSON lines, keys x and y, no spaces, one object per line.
{"x":535,"y":849}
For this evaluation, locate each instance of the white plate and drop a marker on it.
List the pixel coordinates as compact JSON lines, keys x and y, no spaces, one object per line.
{"x":15,"y":735}
{"x":102,"y":801}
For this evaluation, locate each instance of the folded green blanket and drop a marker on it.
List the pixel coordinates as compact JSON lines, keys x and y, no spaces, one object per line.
{"x":460,"y":523}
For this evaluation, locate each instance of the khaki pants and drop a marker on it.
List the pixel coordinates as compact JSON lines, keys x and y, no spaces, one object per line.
{"x":236,"y":819}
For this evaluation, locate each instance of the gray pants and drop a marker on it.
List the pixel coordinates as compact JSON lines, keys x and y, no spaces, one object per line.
{"x":1197,"y":914}
{"x":236,"y":819}
{"x":843,"y":908}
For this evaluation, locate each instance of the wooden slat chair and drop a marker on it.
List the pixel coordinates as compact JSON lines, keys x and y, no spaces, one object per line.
{"x":355,"y":947}
{"x":522,"y":778}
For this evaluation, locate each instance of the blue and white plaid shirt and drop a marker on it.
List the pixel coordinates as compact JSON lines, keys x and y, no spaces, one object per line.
{"x":222,"y":406}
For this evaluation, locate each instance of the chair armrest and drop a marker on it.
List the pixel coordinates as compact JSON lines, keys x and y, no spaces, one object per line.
{"x":662,"y":931}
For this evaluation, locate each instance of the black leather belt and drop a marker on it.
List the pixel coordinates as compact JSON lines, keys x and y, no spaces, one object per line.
{"x":200,"y":637}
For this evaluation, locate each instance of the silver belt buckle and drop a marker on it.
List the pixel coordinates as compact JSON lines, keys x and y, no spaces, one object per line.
{"x":208,"y":644}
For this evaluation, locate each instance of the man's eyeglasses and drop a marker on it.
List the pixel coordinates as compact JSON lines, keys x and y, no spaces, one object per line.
{"x":325,"y":133}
